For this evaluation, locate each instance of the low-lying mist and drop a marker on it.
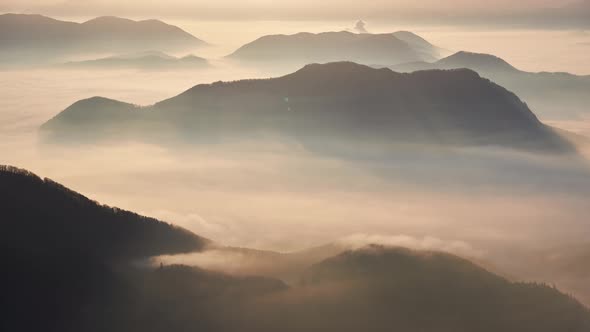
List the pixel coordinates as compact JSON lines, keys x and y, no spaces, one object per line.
{"x":252,"y":194}
{"x":495,"y":206}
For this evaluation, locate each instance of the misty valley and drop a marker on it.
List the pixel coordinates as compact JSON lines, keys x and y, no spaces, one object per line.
{"x":293,"y":173}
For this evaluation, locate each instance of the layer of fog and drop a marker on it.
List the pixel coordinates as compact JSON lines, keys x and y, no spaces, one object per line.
{"x":560,"y":51}
{"x":494,"y":206}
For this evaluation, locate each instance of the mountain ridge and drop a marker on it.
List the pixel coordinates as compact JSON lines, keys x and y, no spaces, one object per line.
{"x":330,"y":103}
{"x":43,"y":216}
{"x":77,"y":288}
{"x":376,"y":287}
{"x":306,"y":47}
{"x":143,"y":60}
{"x":33,"y":38}
{"x":553,"y":95}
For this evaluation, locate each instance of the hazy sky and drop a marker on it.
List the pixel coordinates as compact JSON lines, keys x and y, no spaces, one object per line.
{"x":270,"y":9}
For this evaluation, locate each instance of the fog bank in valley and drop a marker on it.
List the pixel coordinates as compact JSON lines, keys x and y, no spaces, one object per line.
{"x":495,"y":206}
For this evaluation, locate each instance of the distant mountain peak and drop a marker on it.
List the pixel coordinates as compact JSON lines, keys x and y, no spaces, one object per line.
{"x":331,"y":46}
{"x":340,"y":67}
{"x":108,"y":20}
{"x":476,"y":61}
{"x":407,"y":33}
{"x":148,"y":60}
{"x":551,"y":95}
{"x":192,"y":57}
{"x":473,"y":55}
{"x":153,"y":53}
{"x":122,"y":20}
{"x":30,"y":16}
{"x":39,"y":39}
{"x":98,"y":99}
{"x":411,"y":37}
{"x":334,"y":71}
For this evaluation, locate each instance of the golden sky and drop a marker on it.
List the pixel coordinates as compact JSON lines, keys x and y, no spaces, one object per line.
{"x":268,"y":9}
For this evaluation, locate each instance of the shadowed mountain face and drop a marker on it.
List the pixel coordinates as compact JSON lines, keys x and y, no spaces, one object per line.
{"x":551,"y":95}
{"x":40,"y":39}
{"x":76,"y":259}
{"x":303,"y":48}
{"x":333,"y":106}
{"x":62,"y":254}
{"x":144,"y":60}
{"x":40,"y":216}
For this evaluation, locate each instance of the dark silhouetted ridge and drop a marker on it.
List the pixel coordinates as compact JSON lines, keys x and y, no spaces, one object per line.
{"x":43,"y":217}
{"x":76,"y":265}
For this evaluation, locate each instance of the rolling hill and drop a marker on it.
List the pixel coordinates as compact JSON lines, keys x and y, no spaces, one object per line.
{"x":40,"y":39}
{"x":551,"y":95}
{"x":379,"y":287}
{"x":335,"y":106}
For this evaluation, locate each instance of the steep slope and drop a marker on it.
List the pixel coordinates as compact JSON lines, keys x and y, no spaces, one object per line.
{"x":336,"y":105}
{"x":72,"y":265}
{"x":551,"y":95}
{"x":39,"y":39}
{"x":420,"y":44}
{"x":40,"y":216}
{"x":67,"y":257}
{"x":303,"y":48}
